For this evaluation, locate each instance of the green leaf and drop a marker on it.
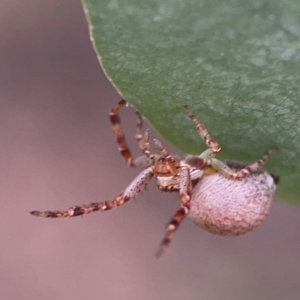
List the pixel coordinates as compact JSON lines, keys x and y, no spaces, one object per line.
{"x":236,"y":63}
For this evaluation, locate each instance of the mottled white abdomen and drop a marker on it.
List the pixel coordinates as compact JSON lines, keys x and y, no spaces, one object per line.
{"x":232,"y":207}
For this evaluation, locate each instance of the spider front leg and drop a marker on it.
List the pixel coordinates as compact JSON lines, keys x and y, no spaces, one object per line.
{"x":185,"y":196}
{"x":141,"y":161}
{"x":210,"y":142}
{"x":138,"y":184}
{"x":143,"y":140}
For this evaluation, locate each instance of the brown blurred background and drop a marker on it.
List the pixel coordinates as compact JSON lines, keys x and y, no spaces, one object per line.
{"x":57,"y":150}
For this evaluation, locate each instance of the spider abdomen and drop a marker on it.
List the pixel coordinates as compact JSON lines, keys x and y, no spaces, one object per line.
{"x":232,"y":207}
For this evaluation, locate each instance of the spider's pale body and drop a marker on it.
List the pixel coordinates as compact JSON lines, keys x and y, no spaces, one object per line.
{"x":226,"y":207}
{"x":226,"y":198}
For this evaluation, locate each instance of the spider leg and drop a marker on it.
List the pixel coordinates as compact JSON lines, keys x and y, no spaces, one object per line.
{"x":211,"y":143}
{"x":222,"y":168}
{"x":185,"y":196}
{"x":143,"y":141}
{"x":158,"y":145}
{"x":138,"y":135}
{"x":145,"y":147}
{"x":138,"y":184}
{"x":139,"y":162}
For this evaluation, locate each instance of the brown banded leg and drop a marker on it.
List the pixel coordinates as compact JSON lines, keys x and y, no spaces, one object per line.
{"x":146,"y":145}
{"x":185,"y":196}
{"x":143,"y":140}
{"x":117,"y":129}
{"x":140,"y":162}
{"x":203,"y":132}
{"x":131,"y":191}
{"x":138,"y":135}
{"x":158,"y":145}
{"x":222,"y":168}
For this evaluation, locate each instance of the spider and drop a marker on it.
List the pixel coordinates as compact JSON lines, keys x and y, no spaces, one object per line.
{"x":223,"y":197}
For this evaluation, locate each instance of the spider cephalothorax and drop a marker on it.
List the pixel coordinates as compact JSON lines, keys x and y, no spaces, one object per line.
{"x":223,"y":197}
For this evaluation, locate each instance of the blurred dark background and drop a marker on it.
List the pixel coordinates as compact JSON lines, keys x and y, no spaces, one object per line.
{"x":57,"y":150}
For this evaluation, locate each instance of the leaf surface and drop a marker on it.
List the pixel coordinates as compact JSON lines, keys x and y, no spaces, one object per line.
{"x":236,"y":63}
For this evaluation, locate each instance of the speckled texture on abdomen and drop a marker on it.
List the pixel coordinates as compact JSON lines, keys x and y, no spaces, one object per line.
{"x":232,"y":207}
